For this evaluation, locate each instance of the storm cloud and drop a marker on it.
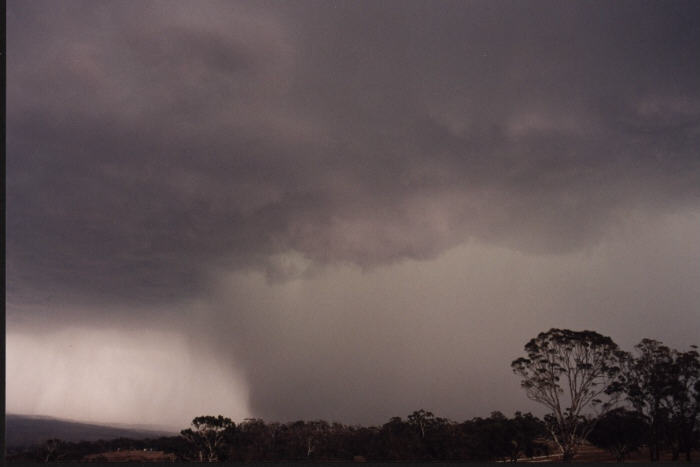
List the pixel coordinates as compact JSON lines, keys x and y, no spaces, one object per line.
{"x":330,"y":195}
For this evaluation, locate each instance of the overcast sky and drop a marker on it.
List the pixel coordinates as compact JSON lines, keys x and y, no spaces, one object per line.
{"x":339,"y":210}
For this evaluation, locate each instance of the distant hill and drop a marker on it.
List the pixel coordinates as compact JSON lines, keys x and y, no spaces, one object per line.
{"x":26,"y":430}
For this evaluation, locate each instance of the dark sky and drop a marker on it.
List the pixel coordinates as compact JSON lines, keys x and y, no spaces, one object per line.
{"x":340,"y":210}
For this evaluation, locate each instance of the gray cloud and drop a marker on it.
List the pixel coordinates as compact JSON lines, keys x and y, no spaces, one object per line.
{"x":155,"y":148}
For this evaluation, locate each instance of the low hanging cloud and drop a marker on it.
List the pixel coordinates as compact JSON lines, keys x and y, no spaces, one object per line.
{"x":156,"y":148}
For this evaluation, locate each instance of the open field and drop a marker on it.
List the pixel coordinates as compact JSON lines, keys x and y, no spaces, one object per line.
{"x":590,"y":453}
{"x":131,"y":456}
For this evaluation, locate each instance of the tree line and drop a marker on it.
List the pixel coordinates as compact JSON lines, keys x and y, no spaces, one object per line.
{"x":420,"y":436}
{"x":594,"y":392}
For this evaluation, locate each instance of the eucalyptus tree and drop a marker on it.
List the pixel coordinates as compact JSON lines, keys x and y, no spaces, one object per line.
{"x":647,"y":383}
{"x":685,"y":400}
{"x":570,"y":372}
{"x":663,"y":386}
{"x":208,"y":436}
{"x":53,"y":449}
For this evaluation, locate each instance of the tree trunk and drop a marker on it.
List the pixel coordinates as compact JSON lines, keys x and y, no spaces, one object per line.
{"x":687,"y":445}
{"x":654,"y":451}
{"x":567,"y":454}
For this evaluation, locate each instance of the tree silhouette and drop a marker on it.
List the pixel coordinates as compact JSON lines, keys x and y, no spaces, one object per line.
{"x":647,"y":382}
{"x":663,"y":386}
{"x":208,"y":436}
{"x":53,"y":449}
{"x":620,"y":431}
{"x":567,"y":371}
{"x":684,"y":403}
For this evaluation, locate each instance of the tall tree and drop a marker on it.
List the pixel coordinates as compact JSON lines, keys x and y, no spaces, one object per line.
{"x":568,"y":372}
{"x":684,"y":401}
{"x":648,"y":382}
{"x":422,"y":420}
{"x":207,"y":435}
